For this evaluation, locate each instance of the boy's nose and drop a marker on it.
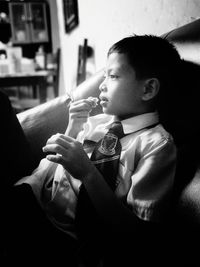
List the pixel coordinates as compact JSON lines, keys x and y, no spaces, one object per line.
{"x":102,"y":86}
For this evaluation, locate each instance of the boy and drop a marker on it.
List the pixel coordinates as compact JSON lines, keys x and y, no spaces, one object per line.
{"x":138,"y":71}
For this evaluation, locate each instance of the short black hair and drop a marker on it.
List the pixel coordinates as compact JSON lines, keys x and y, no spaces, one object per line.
{"x":151,"y":56}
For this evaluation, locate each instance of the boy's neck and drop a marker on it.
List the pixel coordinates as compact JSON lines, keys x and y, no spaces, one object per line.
{"x":143,"y":110}
{"x":121,"y":118}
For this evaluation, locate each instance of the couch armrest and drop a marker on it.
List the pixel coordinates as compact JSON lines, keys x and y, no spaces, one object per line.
{"x":40,"y":122}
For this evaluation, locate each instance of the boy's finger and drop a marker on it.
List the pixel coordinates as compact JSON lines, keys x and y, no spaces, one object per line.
{"x":86,"y":106}
{"x":54,"y":158}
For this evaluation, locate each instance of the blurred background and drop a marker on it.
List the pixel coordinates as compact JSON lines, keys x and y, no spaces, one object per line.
{"x":49,"y":47}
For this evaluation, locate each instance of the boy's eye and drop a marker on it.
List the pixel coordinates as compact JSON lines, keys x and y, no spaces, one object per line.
{"x":110,"y":76}
{"x":113,"y":76}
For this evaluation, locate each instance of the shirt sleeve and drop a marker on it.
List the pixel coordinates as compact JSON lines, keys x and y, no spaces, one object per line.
{"x":152,"y":180}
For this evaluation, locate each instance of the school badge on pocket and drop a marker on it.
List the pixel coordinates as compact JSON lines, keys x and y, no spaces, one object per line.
{"x":108,"y":144}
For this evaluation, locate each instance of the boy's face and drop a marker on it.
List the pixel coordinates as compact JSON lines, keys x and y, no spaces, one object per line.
{"x":121,"y":92}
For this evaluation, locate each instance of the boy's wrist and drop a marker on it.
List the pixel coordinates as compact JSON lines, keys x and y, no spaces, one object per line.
{"x":72,"y":131}
{"x":90,"y":175}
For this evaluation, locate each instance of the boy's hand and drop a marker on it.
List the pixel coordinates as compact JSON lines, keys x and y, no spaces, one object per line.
{"x":78,"y":115}
{"x":70,"y":154}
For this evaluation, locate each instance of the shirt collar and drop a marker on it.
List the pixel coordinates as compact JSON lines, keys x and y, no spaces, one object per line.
{"x":137,"y":123}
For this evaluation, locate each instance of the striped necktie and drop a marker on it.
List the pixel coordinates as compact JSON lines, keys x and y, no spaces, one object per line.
{"x":107,"y":152}
{"x":106,"y":156}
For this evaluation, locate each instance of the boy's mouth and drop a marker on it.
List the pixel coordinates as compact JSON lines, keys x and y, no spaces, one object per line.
{"x":103,"y":100}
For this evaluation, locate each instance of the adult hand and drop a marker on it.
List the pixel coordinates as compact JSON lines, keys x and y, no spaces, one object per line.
{"x":70,"y":154}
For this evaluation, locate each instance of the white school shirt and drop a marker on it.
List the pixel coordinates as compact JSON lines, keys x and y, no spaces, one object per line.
{"x":146,"y":170}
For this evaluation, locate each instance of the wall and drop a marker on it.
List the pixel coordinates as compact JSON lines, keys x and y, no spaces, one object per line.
{"x":54,"y":25}
{"x":103,"y":22}
{"x":56,"y":38}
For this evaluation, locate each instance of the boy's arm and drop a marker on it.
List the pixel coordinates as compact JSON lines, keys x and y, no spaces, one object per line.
{"x":154,"y":175}
{"x":150,"y":190}
{"x":78,"y":115}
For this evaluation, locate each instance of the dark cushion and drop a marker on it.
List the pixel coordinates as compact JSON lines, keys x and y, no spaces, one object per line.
{"x":16,"y":156}
{"x":189,"y":202}
{"x":180,"y":116}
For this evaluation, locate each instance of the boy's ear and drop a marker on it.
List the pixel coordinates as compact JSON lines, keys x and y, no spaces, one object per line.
{"x":151,"y":88}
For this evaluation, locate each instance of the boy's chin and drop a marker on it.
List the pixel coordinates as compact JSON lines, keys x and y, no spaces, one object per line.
{"x":107,"y":111}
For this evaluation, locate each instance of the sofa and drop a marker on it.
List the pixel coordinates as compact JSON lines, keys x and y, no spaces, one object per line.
{"x":40,"y":122}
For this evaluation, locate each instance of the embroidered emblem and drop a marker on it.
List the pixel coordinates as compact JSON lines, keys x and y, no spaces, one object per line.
{"x":108,"y":144}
